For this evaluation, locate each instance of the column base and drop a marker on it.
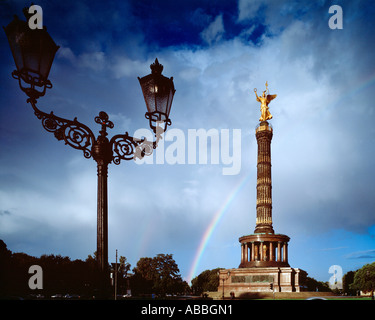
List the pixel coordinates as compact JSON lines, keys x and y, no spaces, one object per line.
{"x":264,"y":228}
{"x":263,"y":264}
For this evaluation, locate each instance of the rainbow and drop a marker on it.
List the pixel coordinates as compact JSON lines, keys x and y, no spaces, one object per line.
{"x":213,"y":224}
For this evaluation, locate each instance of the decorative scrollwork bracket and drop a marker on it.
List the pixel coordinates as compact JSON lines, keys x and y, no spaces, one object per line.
{"x":74,"y":133}
{"x":128,"y":148}
{"x":79,"y":136}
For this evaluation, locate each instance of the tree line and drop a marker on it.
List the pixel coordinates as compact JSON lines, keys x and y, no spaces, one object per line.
{"x":61,"y":275}
{"x":159,"y":276}
{"x":362,"y":279}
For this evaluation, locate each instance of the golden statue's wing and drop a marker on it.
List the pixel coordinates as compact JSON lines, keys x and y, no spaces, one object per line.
{"x":270,"y":97}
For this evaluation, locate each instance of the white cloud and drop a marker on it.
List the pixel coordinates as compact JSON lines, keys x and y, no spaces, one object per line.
{"x":126,"y":67}
{"x":248,"y":9}
{"x":94,"y":61}
{"x":214,"y":31}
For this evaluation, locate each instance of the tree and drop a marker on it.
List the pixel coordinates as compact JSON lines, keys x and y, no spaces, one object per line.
{"x":158,"y":275}
{"x":122,"y":271}
{"x":124,"y":266}
{"x":91,"y":258}
{"x":60,"y":274}
{"x":5,"y":269}
{"x":208,"y":280}
{"x":364,"y":279}
{"x":146,"y":268}
{"x":314,"y":285}
{"x":347,"y":280}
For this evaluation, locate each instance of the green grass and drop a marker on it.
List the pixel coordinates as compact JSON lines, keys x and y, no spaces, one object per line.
{"x":348,"y":298}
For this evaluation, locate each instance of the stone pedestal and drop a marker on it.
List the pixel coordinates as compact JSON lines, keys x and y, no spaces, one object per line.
{"x":247,"y":280}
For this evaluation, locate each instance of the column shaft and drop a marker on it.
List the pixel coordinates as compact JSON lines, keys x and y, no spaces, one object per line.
{"x":242,"y":253}
{"x":264,"y":184}
{"x":252,"y":251}
{"x":285,"y":253}
{"x":246,"y":253}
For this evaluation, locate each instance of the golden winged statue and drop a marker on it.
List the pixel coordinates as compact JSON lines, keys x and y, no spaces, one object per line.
{"x":265,"y":99}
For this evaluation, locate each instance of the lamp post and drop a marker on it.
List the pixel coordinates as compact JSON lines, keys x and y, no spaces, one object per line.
{"x":223,"y":279}
{"x":33,"y":52}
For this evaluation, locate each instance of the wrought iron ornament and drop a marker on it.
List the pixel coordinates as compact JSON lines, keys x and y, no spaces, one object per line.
{"x":79,"y":136}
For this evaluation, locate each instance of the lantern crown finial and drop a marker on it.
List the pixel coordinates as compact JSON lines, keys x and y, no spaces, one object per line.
{"x":156,"y":67}
{"x":26,"y":13}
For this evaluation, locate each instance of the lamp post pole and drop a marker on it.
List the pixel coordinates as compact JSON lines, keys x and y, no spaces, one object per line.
{"x":223,"y":278}
{"x":33,"y":52}
{"x":102,"y":211}
{"x":102,"y":155}
{"x":223,"y":289}
{"x":115,"y":277}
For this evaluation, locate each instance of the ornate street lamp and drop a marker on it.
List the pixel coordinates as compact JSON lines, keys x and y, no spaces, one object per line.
{"x":158,"y":92}
{"x":33,"y":52}
{"x":223,"y":278}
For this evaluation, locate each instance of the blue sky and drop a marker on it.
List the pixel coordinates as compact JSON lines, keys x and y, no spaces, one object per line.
{"x":218,"y":52}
